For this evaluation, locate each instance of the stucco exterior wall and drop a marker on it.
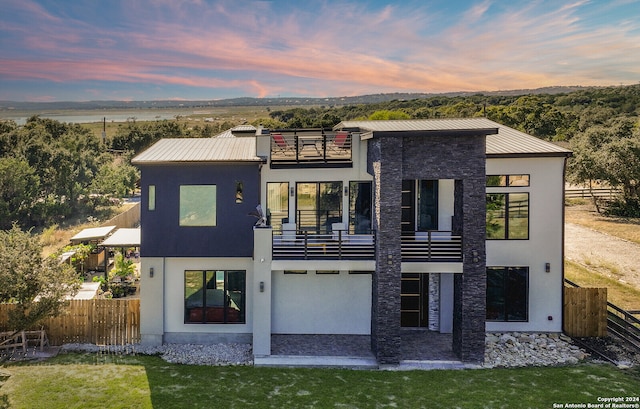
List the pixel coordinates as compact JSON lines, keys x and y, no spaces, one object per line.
{"x":176,"y":331}
{"x":544,"y":245}
{"x":321,"y":303}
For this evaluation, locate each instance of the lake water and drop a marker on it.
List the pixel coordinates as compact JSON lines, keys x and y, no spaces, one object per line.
{"x":88,"y":117}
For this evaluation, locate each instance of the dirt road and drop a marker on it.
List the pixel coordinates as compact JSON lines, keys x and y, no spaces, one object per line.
{"x":614,"y":257}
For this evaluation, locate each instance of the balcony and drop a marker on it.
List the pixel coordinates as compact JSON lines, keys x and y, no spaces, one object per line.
{"x":338,"y":245}
{"x":310,"y":148}
{"x":431,"y":246}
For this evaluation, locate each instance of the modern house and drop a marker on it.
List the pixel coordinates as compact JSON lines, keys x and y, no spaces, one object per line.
{"x":372,"y":228}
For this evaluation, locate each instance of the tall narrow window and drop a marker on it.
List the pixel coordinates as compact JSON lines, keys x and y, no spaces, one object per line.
{"x":197,"y":205}
{"x":214,"y":296}
{"x":277,"y":204}
{"x":152,"y":198}
{"x":239,"y":194}
{"x":360,"y":194}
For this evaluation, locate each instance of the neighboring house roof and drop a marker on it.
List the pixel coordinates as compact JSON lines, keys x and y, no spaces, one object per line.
{"x":503,"y":143}
{"x":240,"y":130}
{"x":199,"y":150}
{"x":92,"y":233}
{"x":123,"y":238}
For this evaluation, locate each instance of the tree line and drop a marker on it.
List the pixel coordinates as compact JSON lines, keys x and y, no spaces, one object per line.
{"x":51,"y":170}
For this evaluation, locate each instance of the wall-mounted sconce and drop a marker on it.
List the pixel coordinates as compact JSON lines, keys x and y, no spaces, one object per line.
{"x":474,"y":253}
{"x":151,"y":272}
{"x":292,"y":191}
{"x":346,"y":190}
{"x":547,"y":267}
{"x":261,"y":286}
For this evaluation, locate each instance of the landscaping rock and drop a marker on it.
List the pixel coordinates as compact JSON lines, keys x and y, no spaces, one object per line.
{"x":520,"y":349}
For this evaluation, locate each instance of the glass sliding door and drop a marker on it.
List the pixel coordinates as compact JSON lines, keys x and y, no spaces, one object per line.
{"x":419,"y":205}
{"x":277,"y":204}
{"x":318,"y":205}
{"x":360,"y":194}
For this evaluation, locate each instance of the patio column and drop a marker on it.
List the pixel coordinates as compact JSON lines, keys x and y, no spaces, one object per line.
{"x":261,"y":290}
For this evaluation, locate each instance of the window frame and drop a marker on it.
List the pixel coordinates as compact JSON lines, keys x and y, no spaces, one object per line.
{"x":507,"y":179}
{"x":186,"y":203}
{"x":507,"y":215}
{"x":507,"y":293}
{"x":228,"y":305}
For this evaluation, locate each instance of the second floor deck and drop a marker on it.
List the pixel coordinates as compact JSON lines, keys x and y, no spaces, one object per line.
{"x":430,"y":246}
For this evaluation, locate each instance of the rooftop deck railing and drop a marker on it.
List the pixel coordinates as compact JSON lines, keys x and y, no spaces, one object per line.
{"x":311,"y":147}
{"x":432,"y":246}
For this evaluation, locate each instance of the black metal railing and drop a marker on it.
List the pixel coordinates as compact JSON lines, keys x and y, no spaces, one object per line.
{"x":338,"y":245}
{"x":311,"y":147}
{"x":620,"y":323}
{"x":430,"y":246}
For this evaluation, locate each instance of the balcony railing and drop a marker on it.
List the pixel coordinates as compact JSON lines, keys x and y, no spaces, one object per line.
{"x":432,"y":246}
{"x":311,"y":148}
{"x":338,"y":245}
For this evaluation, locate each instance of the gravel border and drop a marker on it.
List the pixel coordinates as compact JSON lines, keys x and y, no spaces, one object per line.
{"x":186,"y":354}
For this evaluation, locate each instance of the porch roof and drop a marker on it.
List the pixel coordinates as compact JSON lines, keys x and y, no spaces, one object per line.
{"x":123,"y":238}
{"x":93,"y":233}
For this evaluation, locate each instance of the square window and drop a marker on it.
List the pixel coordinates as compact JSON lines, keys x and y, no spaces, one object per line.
{"x":198,"y":205}
{"x":214,"y":297}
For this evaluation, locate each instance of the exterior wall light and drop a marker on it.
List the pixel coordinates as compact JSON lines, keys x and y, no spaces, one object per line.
{"x":151,"y":272}
{"x":292,"y":192}
{"x":547,"y":267}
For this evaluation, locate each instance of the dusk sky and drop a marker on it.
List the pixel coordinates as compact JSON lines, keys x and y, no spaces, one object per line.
{"x":60,"y":50}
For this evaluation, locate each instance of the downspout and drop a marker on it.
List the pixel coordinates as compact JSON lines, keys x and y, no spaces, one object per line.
{"x":564,"y":182}
{"x":164,"y":308}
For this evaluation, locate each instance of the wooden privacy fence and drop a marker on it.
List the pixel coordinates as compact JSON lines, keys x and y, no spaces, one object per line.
{"x":585,"y":312}
{"x":127,"y":219}
{"x":97,"y":321}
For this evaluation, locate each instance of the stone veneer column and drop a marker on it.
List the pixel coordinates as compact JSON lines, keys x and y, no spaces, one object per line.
{"x":470,"y":287}
{"x":386,"y":167}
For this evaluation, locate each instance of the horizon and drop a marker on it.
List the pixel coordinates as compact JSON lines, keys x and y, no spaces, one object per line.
{"x":208,"y":50}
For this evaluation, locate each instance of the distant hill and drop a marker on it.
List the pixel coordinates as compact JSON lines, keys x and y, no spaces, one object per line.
{"x":280,"y":101}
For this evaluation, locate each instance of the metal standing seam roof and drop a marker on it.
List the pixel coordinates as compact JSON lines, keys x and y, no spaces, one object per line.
{"x":200,"y":150}
{"x":507,"y":141}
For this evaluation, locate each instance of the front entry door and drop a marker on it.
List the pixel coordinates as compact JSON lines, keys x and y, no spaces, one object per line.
{"x":414,"y":300}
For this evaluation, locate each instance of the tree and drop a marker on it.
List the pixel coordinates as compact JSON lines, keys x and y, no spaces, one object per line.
{"x":609,"y":153}
{"x":114,"y":179}
{"x":37,"y":286}
{"x":19,"y":190}
{"x":386,"y":115}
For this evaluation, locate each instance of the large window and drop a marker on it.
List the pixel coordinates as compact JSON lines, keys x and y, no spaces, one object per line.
{"x":508,"y":216}
{"x":360,"y":194}
{"x":277,"y":204}
{"x":319,"y":205}
{"x":507,"y":293}
{"x":198,"y":205}
{"x":214,"y":296}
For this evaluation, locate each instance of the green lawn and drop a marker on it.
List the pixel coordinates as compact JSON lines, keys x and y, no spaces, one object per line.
{"x":113,"y":381}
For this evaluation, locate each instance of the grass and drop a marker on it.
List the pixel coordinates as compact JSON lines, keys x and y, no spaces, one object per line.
{"x":113,"y":381}
{"x":620,"y":294}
